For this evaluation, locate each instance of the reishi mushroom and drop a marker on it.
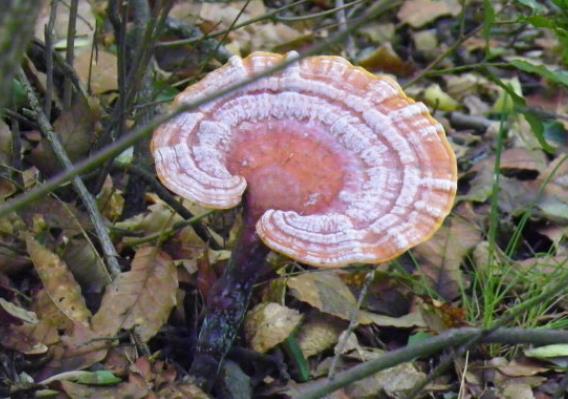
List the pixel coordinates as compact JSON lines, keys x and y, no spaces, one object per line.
{"x":337,"y":166}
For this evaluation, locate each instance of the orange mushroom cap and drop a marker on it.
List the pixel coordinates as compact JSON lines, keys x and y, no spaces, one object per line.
{"x":341,"y":166}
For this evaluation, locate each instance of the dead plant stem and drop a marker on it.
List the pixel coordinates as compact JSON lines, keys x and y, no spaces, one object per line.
{"x":108,"y":249}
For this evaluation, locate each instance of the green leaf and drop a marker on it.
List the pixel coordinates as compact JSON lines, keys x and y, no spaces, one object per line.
{"x":418,"y":338}
{"x":540,"y":21}
{"x":559,"y":77}
{"x":488,"y":20}
{"x":539,"y":130}
{"x":101,"y":377}
{"x":292,"y":348}
{"x":510,"y":97}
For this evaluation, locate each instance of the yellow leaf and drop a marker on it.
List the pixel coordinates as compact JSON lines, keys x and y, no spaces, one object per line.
{"x":58,"y":281}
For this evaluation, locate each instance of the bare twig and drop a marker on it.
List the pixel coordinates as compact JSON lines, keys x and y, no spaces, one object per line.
{"x":48,"y":34}
{"x":162,"y":236}
{"x":204,"y":45}
{"x":442,"y":56}
{"x":70,"y":52}
{"x":109,"y":251}
{"x":428,"y":347}
{"x":342,"y":21}
{"x":353,"y":322}
{"x":135,"y":189}
{"x":132,"y":82}
{"x":339,"y":7}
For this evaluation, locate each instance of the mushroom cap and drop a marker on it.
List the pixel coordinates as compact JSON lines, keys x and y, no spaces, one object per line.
{"x":341,"y":166}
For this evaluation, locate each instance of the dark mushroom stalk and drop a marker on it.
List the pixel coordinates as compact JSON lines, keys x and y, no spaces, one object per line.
{"x":228,"y":301}
{"x":339,"y":167}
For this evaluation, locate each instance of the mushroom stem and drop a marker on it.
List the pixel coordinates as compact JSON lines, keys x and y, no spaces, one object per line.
{"x":227,"y":303}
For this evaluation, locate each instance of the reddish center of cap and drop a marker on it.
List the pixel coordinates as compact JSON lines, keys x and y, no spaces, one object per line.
{"x":288,"y":165}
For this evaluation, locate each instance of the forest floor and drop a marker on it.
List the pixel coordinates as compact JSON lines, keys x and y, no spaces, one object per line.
{"x":102,"y":276}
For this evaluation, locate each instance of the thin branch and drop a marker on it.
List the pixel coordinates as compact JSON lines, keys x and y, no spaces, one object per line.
{"x":431,"y":346}
{"x":48,"y":35}
{"x":442,"y":56}
{"x":204,"y":45}
{"x":88,"y":201}
{"x":70,"y":52}
{"x":340,"y":6}
{"x":132,"y":82}
{"x":353,"y":322}
{"x":342,"y":21}
{"x":169,"y":199}
{"x":136,"y":188}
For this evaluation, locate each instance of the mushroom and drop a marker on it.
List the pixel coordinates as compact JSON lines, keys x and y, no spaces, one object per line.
{"x":336,"y":165}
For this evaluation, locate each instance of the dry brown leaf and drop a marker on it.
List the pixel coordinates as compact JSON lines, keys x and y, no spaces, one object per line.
{"x":523,"y":159}
{"x":78,"y":350}
{"x":135,"y":388}
{"x":227,"y":12}
{"x":182,"y":390}
{"x":409,"y":320}
{"x":159,"y":217}
{"x":110,"y":200}
{"x":76,"y":128}
{"x":58,"y":214}
{"x":58,"y":281}
{"x":5,"y":143}
{"x":418,"y":13}
{"x":140,"y":299}
{"x":51,"y":320}
{"x":517,"y":391}
{"x":554,"y":202}
{"x":441,"y":256}
{"x":318,"y":334}
{"x":522,"y":368}
{"x":385,"y":59}
{"x":86,"y":264}
{"x":102,"y":72}
{"x":268,"y":324}
{"x":18,"y":312}
{"x":324,"y":291}
{"x":20,"y":338}
{"x":85,"y":25}
{"x":394,"y":382}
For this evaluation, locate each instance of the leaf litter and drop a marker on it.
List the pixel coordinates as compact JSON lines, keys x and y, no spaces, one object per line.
{"x":482,"y":68}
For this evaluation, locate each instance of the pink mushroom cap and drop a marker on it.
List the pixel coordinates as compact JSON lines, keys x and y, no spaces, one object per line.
{"x":340,"y":165}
